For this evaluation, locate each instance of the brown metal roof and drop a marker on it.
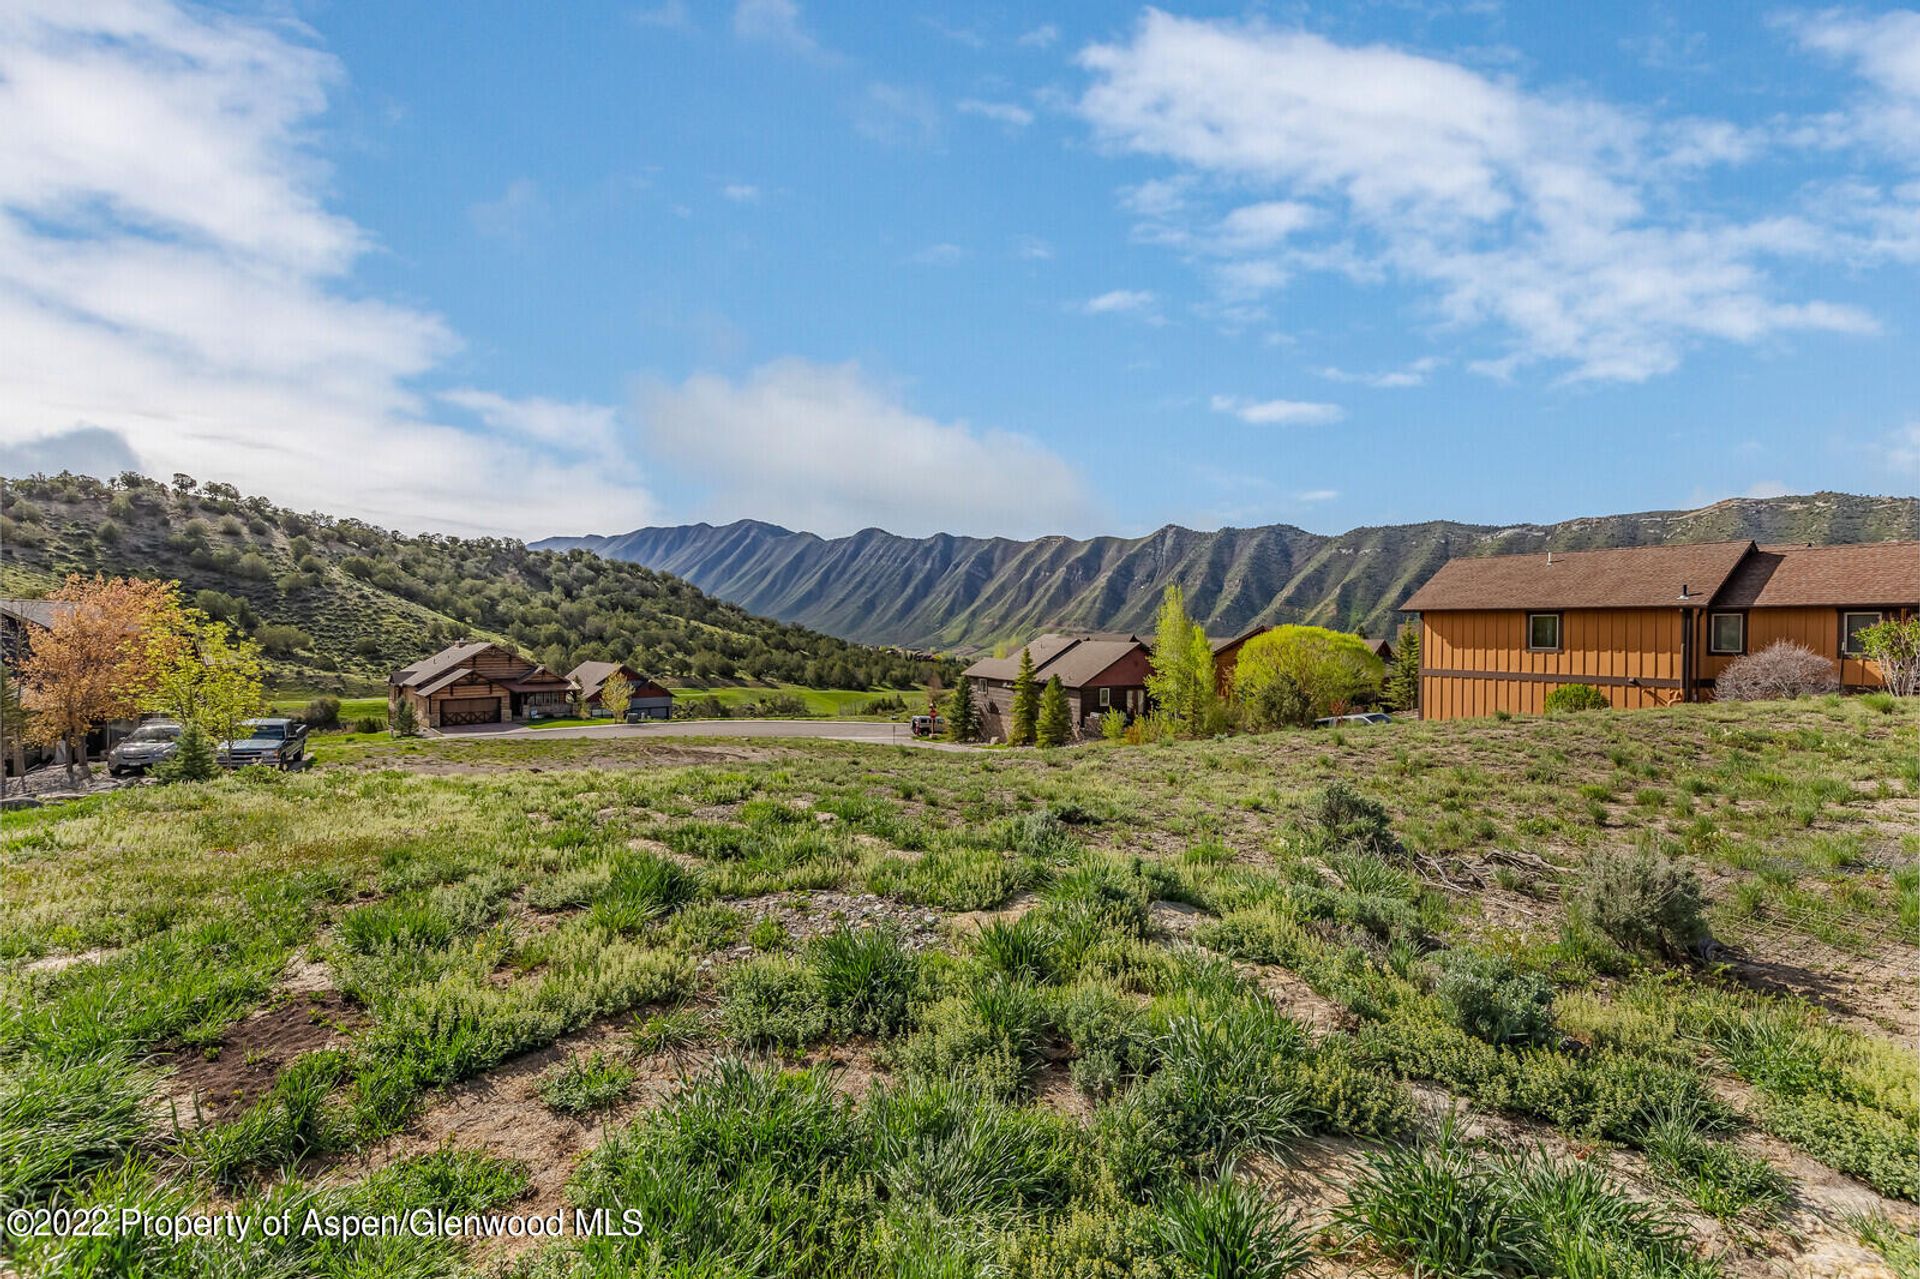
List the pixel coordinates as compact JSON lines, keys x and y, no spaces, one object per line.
{"x":1825,"y":576}
{"x":449,"y":678}
{"x":1044,"y":650}
{"x":1629,"y":577}
{"x":1220,"y":644}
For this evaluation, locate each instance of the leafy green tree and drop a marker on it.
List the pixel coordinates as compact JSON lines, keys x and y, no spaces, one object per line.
{"x":204,"y":673}
{"x":193,"y":761}
{"x":963,"y":715}
{"x":1333,"y":669}
{"x":1895,"y":646}
{"x":616,"y":695}
{"x":1402,"y":688}
{"x":1026,"y":703}
{"x":1182,"y":682}
{"x":1055,"y":725}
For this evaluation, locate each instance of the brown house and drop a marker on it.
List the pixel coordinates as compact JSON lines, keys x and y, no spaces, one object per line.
{"x":1099,"y":673}
{"x":1647,"y":626}
{"x":1226,"y":657}
{"x":650,"y":700}
{"x":477,"y":683}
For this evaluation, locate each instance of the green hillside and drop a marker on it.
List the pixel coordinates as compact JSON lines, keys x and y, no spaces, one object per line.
{"x":339,"y":603}
{"x":971,"y":593}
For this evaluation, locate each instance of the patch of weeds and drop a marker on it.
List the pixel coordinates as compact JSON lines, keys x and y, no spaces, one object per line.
{"x":773,"y":1001}
{"x":297,"y":1118}
{"x":1724,"y":1182}
{"x":586,"y":1082}
{"x":1229,"y":1228}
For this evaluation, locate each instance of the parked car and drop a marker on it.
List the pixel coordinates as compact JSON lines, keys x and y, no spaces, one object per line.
{"x":929,"y":725}
{"x":276,"y":743}
{"x":1341,"y":721}
{"x":147,"y":745}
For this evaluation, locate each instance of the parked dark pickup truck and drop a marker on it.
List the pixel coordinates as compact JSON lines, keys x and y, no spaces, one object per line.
{"x":276,"y":743}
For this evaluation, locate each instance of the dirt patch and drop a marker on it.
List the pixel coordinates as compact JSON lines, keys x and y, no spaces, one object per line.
{"x":1320,"y":1015}
{"x":1874,"y":992}
{"x":969,"y":923}
{"x":59,"y":963}
{"x":806,"y":915}
{"x":219,"y":1082}
{"x":1177,"y":919}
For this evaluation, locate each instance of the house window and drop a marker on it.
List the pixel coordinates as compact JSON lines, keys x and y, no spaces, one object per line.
{"x":1851,"y":624}
{"x":1543,"y":631}
{"x":1727,"y":633}
{"x":1106,"y":698}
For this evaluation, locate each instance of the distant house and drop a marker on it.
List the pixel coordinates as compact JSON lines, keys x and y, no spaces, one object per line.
{"x":1382,"y":649}
{"x":20,"y":620}
{"x":477,"y":683}
{"x":1647,"y":626}
{"x":650,"y":700}
{"x":1226,"y":657}
{"x":1099,"y":673}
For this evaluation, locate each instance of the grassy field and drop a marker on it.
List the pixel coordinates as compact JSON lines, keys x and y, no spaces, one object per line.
{"x":833,"y":702}
{"x":1331,"y":1003}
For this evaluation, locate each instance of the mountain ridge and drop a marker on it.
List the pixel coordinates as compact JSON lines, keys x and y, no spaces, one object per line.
{"x":961,"y":593}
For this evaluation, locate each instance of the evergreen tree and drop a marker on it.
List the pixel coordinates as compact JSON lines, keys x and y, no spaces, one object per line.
{"x":1054,"y":727}
{"x":963,"y":717}
{"x":1026,"y":703}
{"x":405,"y":722}
{"x":194,"y":760}
{"x":1402,"y":691}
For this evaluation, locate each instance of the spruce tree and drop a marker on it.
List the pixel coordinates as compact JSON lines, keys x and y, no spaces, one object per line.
{"x":963,"y":717}
{"x":1402,"y":691}
{"x":193,"y":761}
{"x":1054,"y":727}
{"x":1026,"y":703}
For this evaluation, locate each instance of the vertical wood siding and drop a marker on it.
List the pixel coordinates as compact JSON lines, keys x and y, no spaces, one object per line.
{"x":1603,"y":643}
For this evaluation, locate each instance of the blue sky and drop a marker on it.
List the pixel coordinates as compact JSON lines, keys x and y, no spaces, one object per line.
{"x":982,"y":269}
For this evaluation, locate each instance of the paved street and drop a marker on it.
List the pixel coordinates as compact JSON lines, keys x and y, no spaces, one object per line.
{"x":833,"y":730}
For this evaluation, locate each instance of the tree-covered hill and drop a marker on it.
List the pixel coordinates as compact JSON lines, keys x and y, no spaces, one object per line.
{"x":339,"y":603}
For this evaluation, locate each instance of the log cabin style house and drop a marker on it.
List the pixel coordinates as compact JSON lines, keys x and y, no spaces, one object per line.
{"x":1647,"y":626}
{"x":1099,"y":672}
{"x":650,"y":700}
{"x":478,"y":683}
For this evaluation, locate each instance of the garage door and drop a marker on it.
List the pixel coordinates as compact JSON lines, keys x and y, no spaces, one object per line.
{"x":469,"y":710}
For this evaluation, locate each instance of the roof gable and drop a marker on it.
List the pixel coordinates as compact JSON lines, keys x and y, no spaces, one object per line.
{"x":1825,"y":576}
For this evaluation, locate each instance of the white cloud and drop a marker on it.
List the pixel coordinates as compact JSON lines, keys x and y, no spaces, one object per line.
{"x":741,"y":192}
{"x":777,"y":23}
{"x":1903,"y":452}
{"x":1031,"y":248}
{"x":514,"y":213}
{"x":1885,"y":50}
{"x":1278,"y":412}
{"x":1011,"y":114}
{"x":1546,"y":218}
{"x":539,"y":421}
{"x":1263,"y":225}
{"x":1409,"y":375}
{"x":1120,"y":302}
{"x":170,"y":276}
{"x":823,"y":448}
{"x":939,"y":255}
{"x":1766,"y":488}
{"x":669,"y":15}
{"x":897,"y":115}
{"x":1312,"y":496}
{"x":1040,"y":37}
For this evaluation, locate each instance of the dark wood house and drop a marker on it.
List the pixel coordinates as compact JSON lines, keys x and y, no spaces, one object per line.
{"x":1647,"y":626}
{"x":1099,"y":672}
{"x":650,"y":699}
{"x":1226,"y":657}
{"x":478,"y":683}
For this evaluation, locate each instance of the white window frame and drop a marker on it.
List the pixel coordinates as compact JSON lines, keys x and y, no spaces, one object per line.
{"x":1713,"y":646}
{"x":1106,"y":698}
{"x":1559,"y":633}
{"x":1846,"y":631}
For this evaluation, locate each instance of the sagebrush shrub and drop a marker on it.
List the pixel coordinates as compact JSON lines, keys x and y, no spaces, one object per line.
{"x":1645,"y":901}
{"x":1487,"y":998}
{"x":1782,"y":669}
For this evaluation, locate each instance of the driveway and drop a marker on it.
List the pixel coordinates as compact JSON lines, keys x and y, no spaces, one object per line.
{"x":831,"y":730}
